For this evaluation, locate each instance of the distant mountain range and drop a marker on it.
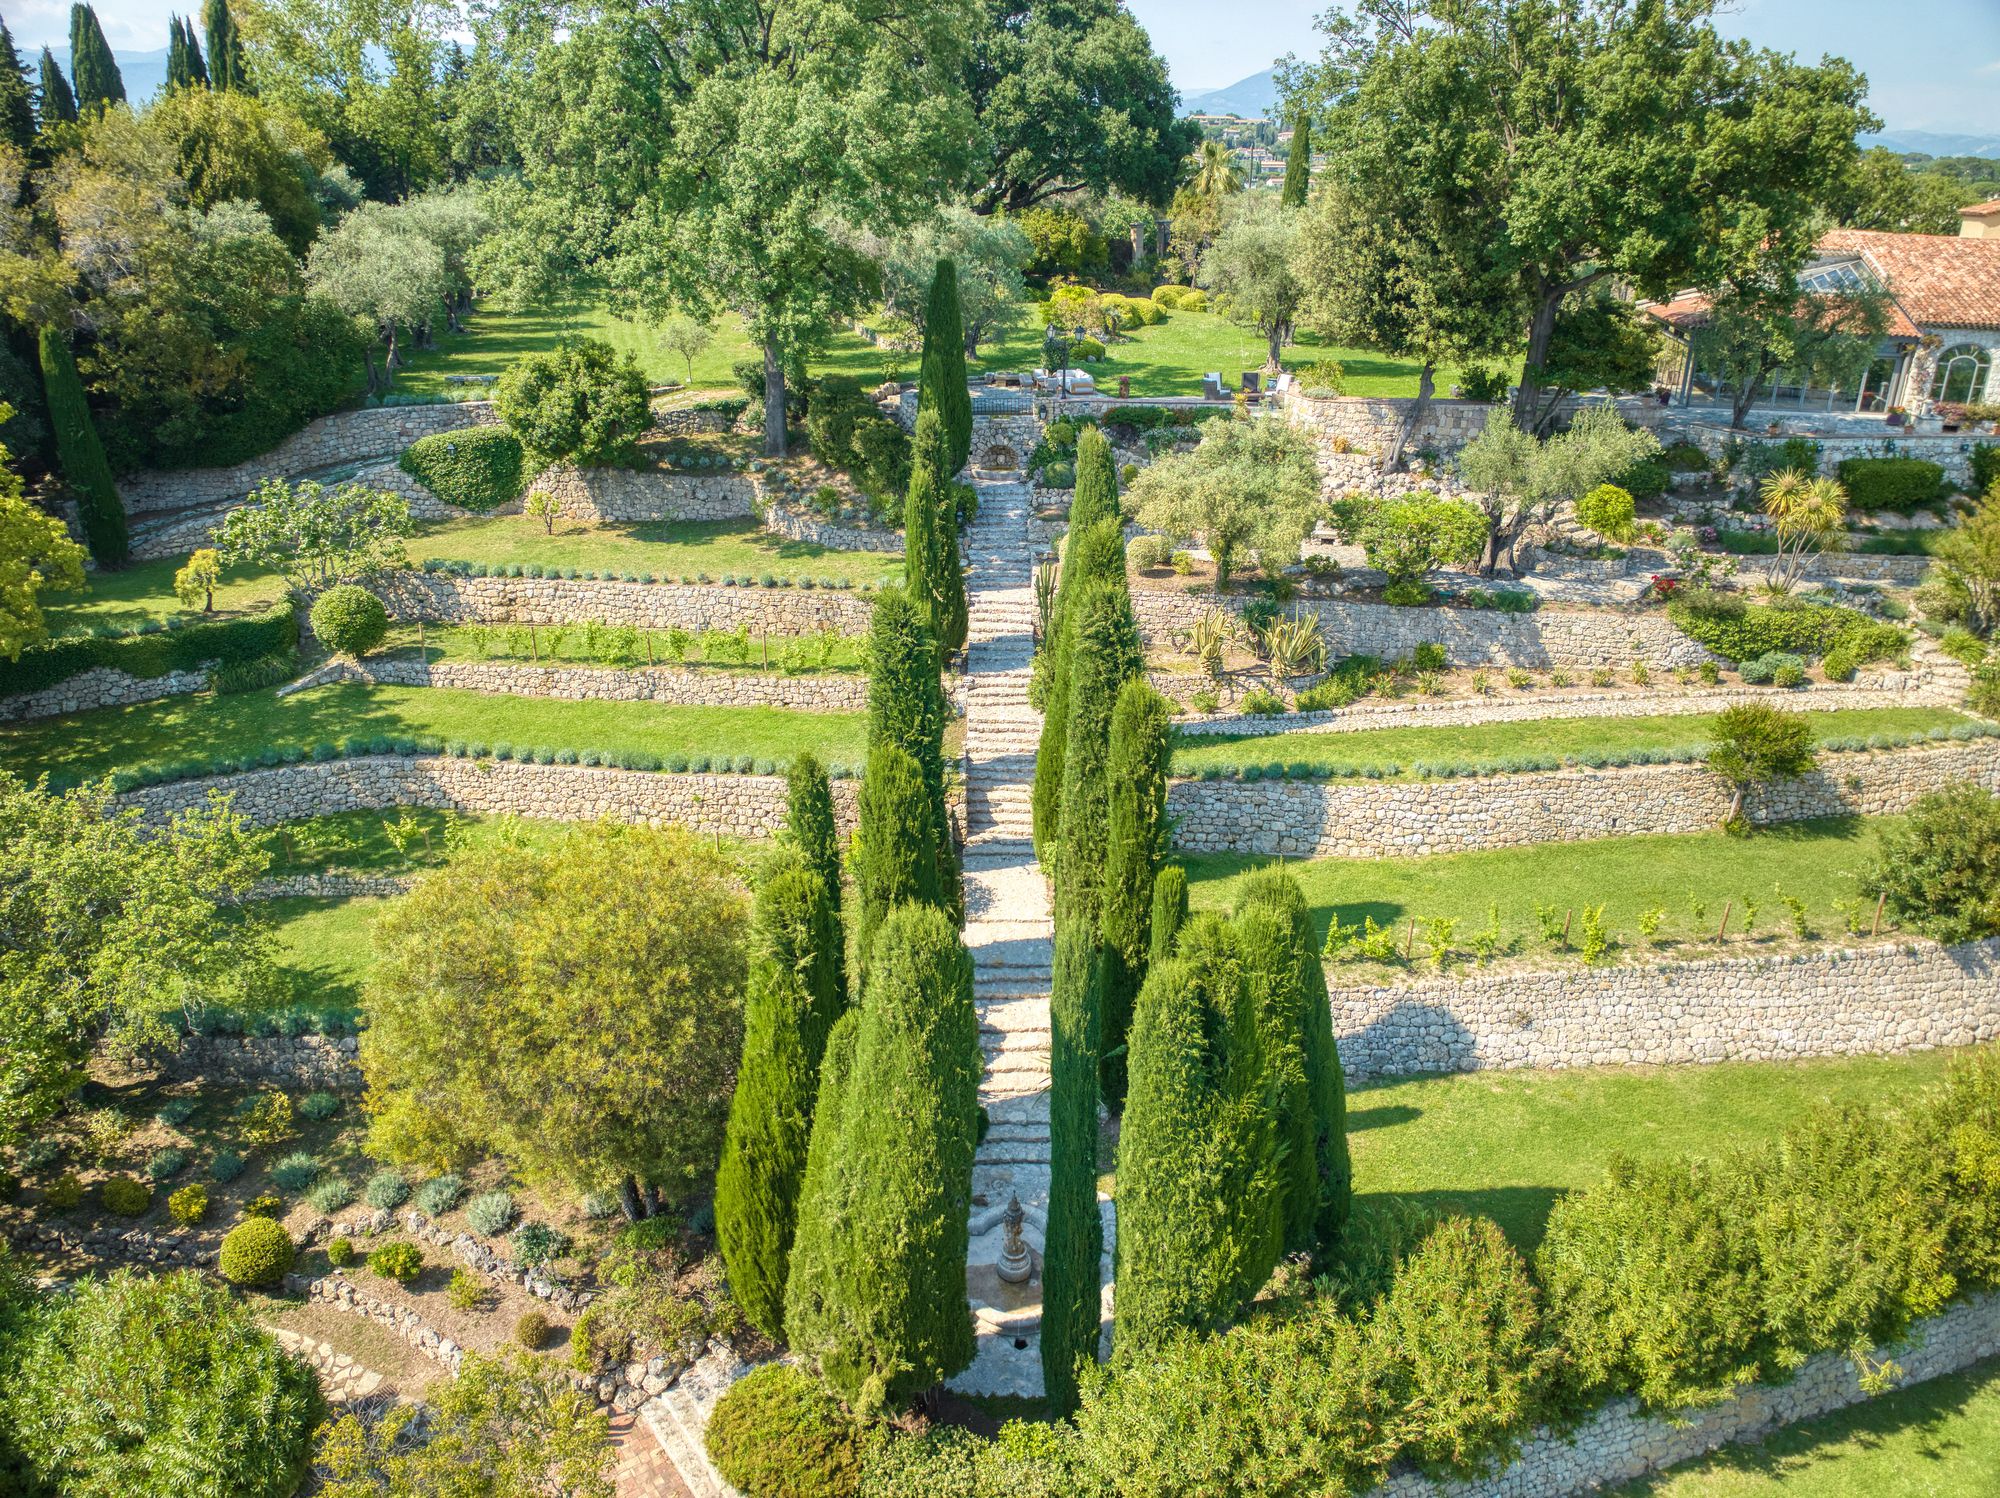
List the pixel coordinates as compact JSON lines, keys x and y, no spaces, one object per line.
{"x":1253,"y":98}
{"x":1932,"y":143}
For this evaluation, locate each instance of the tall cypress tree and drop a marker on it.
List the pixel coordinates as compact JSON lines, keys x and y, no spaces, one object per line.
{"x":1195,"y":1152}
{"x":225,"y":48}
{"x":58,"y":104}
{"x":930,"y":535}
{"x":191,"y":47}
{"x":177,"y":66}
{"x":895,"y":847}
{"x":1136,"y":838}
{"x":1325,"y":1082}
{"x":80,"y":452}
{"x":790,"y":1005}
{"x":1298,"y":165}
{"x":17,"y":103}
{"x":1104,"y":654}
{"x":811,"y":828}
{"x":876,"y":1290}
{"x":1095,"y":497}
{"x":1290,"y":1214}
{"x":941,"y":382}
{"x":906,"y":707}
{"x":99,"y":84}
{"x":1096,"y":553}
{"x":1170,"y":909}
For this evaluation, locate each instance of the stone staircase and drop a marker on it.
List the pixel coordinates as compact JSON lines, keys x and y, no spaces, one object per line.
{"x":1008,"y":932}
{"x":679,"y":1417}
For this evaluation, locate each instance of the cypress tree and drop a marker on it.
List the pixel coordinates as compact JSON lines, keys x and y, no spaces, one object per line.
{"x":1096,"y":553}
{"x":1195,"y":1150}
{"x":191,"y":48}
{"x":941,"y":381}
{"x":1169,"y":913}
{"x":1104,"y":653}
{"x":811,"y":828}
{"x":1298,"y":165}
{"x":1095,"y":496}
{"x":1135,"y":832}
{"x":81,"y":454}
{"x":895,"y":846}
{"x":906,"y":707}
{"x":225,"y":48}
{"x":17,"y":104}
{"x":930,"y":536}
{"x":1325,"y":1082}
{"x":876,"y":1292}
{"x":1290,"y":1209}
{"x":1073,"y":1240}
{"x":790,"y":1004}
{"x":58,"y":104}
{"x":99,"y":84}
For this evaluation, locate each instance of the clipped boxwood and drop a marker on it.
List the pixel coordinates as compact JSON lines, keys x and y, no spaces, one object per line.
{"x":478,"y":468}
{"x":1899,"y":485}
{"x":257,"y":1251}
{"x":778,"y":1434}
{"x":349,"y":619}
{"x":152,"y":653}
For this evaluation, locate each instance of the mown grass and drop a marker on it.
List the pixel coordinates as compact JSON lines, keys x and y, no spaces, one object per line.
{"x":669,"y":550}
{"x":326,"y":946}
{"x":144,"y":591}
{"x":1488,"y":744}
{"x":719,"y":650}
{"x":199,"y":729}
{"x":412,"y":839}
{"x":1688,"y":876}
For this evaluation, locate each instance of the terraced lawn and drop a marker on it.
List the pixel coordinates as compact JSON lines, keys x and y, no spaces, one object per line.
{"x":717,"y":650}
{"x":411,"y":840}
{"x":327,"y":946}
{"x":667,"y":549}
{"x":144,"y":592}
{"x":1385,"y":750}
{"x":1506,"y":1144}
{"x":1688,"y":877}
{"x":204,"y":729}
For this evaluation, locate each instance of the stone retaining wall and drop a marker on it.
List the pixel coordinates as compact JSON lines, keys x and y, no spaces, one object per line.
{"x":795,"y":524}
{"x":1621,"y":1441}
{"x":100,"y":686}
{"x":625,"y":494}
{"x":1913,"y":996}
{"x":424,"y":505}
{"x":300,"y":1061}
{"x":444,"y":598}
{"x":687,"y":422}
{"x":738,"y":805}
{"x":1373,"y":422}
{"x":1581,"y":639}
{"x":331,"y":886}
{"x":343,"y":437}
{"x":1950,"y":451}
{"x":830,"y":692}
{"x":1401,"y":818}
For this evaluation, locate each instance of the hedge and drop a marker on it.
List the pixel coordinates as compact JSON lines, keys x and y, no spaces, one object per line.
{"x":475,"y":469}
{"x":1896,"y":484}
{"x":179,"y":644}
{"x":1740,"y":631}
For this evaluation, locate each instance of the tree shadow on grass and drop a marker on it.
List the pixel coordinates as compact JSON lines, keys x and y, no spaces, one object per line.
{"x":1522,"y":1212}
{"x":1360,"y":1120}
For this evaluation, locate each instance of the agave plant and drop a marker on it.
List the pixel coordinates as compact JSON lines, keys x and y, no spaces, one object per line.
{"x":1294,"y":646}
{"x":1208,"y":637}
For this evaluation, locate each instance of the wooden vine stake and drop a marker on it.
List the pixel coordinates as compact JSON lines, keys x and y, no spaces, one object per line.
{"x":1567,"y":916}
{"x":1727,"y":906}
{"x":1410,"y":941}
{"x":1880,"y":900}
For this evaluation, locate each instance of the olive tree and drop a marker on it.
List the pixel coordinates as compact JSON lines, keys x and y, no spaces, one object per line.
{"x":1519,"y":479}
{"x":1249,"y":486}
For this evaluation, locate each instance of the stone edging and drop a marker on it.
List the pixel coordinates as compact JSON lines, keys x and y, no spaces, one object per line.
{"x":1621,"y":1441}
{"x":330,"y":886}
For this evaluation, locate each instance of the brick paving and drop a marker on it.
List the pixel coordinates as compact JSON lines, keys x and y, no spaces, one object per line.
{"x":643,"y":1469}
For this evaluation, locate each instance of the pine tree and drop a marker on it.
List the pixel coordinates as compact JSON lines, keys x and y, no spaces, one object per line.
{"x":810,"y":827}
{"x":790,"y":1005}
{"x":1073,"y":1240}
{"x":1094,"y":554}
{"x":876,"y":1290}
{"x":17,"y":103}
{"x":895,"y":858}
{"x":930,"y":536}
{"x":1095,"y":496}
{"x":1326,"y":1083}
{"x":81,"y":454}
{"x":1298,"y":165}
{"x":99,"y":84}
{"x":1169,"y":913}
{"x":58,"y":104}
{"x":941,"y":381}
{"x":906,"y":707}
{"x":1136,"y":837}
{"x":1195,"y":1151}
{"x":225,"y":48}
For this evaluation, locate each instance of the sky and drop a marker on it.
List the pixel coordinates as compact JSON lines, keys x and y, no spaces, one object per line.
{"x":1931,"y":64}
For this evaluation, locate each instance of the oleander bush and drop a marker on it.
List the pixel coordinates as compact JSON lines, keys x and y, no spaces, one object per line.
{"x":777,"y":1434}
{"x":257,"y":1252}
{"x":478,"y":468}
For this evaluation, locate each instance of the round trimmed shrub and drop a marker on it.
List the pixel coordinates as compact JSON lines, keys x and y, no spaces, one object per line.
{"x":64,"y":1193}
{"x":257,"y":1252}
{"x":490,"y":1212}
{"x":1608,"y":510}
{"x":475,"y":469}
{"x":778,"y":1434}
{"x":125,"y":1196}
{"x":440,"y":1194}
{"x":532,"y":1330}
{"x":349,"y":620}
{"x":340,"y":1253}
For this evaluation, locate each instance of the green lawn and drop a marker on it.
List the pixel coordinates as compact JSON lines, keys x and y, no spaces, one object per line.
{"x":666,"y":549}
{"x":203,"y":728}
{"x":1939,"y":1439}
{"x":144,"y":591}
{"x":366,"y":842}
{"x":1818,"y":862}
{"x":1506,"y":1144}
{"x":716,"y":650}
{"x":1492,"y":743}
{"x":327,"y":946}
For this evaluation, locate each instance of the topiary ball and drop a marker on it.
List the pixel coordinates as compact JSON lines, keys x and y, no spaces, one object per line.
{"x":349,"y":620}
{"x":777,"y":1431}
{"x":257,"y":1252}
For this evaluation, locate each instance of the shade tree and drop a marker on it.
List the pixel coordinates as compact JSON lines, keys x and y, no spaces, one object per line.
{"x":377,"y":270}
{"x":314,"y":536}
{"x":36,"y":557}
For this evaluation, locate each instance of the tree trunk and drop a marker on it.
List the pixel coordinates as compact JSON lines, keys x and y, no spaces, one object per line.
{"x":375,"y":385}
{"x":1744,"y":399}
{"x":1277,"y":341}
{"x":1528,"y":397}
{"x":971,"y":341}
{"x":389,"y":359}
{"x":629,"y":1200}
{"x":774,"y":400}
{"x":1413,"y":417}
{"x":654,"y":1206}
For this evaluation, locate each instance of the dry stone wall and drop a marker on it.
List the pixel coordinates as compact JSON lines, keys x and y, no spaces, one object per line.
{"x":445,"y":598}
{"x":100,"y":686}
{"x":625,"y":494}
{"x":293,"y":1061}
{"x":1401,"y":818}
{"x":795,"y":524}
{"x":1950,"y":451}
{"x":1877,"y":1000}
{"x":832,"y":692}
{"x":1581,"y":639}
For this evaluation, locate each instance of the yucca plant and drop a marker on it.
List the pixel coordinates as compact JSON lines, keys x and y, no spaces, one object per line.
{"x":1293,"y":646}
{"x":1045,"y":598}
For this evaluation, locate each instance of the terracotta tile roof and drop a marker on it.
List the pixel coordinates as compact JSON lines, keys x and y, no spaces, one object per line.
{"x":1689,"y":310}
{"x":1940,"y":280}
{"x":1986,"y":209}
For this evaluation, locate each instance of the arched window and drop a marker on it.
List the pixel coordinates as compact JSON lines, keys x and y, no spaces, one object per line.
{"x":1961,"y":376}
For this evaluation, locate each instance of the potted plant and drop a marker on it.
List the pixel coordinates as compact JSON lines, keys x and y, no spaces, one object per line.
{"x":1897,"y":416}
